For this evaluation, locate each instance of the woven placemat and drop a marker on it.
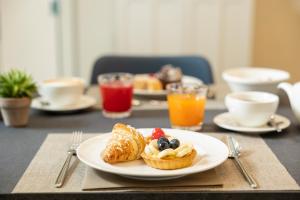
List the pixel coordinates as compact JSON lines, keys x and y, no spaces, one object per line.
{"x":98,"y":180}
{"x":257,"y":156}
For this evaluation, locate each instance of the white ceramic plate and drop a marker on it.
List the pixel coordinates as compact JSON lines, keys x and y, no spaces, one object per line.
{"x":185,"y":79}
{"x":84,"y":103}
{"x":211,"y":152}
{"x":226,"y":121}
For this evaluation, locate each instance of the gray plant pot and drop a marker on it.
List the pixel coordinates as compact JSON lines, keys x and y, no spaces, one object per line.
{"x":15,"y":111}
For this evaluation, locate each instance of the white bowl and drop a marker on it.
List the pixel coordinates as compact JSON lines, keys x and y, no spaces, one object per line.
{"x":252,"y":109}
{"x":254,"y":79}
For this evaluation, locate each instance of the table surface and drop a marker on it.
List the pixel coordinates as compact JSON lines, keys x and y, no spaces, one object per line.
{"x":19,"y":145}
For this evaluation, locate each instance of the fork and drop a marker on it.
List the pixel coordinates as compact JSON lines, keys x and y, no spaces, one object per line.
{"x":76,"y":139}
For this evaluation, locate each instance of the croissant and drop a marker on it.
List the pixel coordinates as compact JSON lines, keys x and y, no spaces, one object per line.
{"x":126,"y":144}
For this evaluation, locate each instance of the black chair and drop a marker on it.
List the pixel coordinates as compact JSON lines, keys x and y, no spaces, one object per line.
{"x":196,"y":66}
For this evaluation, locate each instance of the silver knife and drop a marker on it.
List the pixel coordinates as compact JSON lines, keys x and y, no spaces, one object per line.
{"x":234,"y":154}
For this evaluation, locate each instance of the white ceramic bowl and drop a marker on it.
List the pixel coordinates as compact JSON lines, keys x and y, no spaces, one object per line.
{"x":252,"y":109}
{"x":254,"y":79}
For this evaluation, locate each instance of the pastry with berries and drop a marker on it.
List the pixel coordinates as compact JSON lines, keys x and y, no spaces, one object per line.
{"x":166,"y":152}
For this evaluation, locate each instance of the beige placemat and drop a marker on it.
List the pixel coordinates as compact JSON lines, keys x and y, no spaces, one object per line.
{"x":95,"y":180}
{"x":257,"y":156}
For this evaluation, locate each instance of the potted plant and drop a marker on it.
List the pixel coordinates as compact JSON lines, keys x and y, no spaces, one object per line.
{"x":16,"y":91}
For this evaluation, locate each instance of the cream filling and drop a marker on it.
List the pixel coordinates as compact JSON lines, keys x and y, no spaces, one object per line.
{"x":152,"y":150}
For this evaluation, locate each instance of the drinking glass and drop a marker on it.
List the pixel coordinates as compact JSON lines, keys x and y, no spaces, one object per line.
{"x":116,"y":90}
{"x":186,"y":105}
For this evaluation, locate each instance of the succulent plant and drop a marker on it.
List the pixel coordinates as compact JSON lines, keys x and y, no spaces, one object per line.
{"x":16,"y":84}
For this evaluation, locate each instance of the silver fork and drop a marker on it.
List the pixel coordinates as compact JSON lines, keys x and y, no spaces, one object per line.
{"x":76,"y":139}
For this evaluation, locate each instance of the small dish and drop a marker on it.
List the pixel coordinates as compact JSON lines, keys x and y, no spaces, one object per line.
{"x":84,"y":103}
{"x":226,"y":121}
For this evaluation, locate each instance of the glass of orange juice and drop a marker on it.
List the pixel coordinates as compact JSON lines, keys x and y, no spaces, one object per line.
{"x":186,"y":105}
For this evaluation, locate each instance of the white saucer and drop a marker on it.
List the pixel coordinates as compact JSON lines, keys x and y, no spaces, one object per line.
{"x":84,"y":103}
{"x":226,"y":121}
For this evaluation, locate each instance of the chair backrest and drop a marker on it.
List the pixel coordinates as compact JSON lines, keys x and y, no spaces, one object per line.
{"x":196,"y":66}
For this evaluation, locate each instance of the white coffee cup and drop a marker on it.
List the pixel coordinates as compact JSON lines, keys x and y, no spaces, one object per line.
{"x":252,"y":109}
{"x":61,"y":92}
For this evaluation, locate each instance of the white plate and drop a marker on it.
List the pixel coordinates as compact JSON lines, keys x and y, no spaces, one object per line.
{"x":226,"y":121}
{"x":84,"y":103}
{"x":211,"y":152}
{"x":185,"y":79}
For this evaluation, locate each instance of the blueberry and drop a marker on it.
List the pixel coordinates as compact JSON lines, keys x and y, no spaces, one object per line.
{"x":162,"y":139}
{"x":163,"y":145}
{"x":174,"y":143}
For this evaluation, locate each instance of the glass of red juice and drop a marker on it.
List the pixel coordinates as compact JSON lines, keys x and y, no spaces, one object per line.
{"x":116,"y":90}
